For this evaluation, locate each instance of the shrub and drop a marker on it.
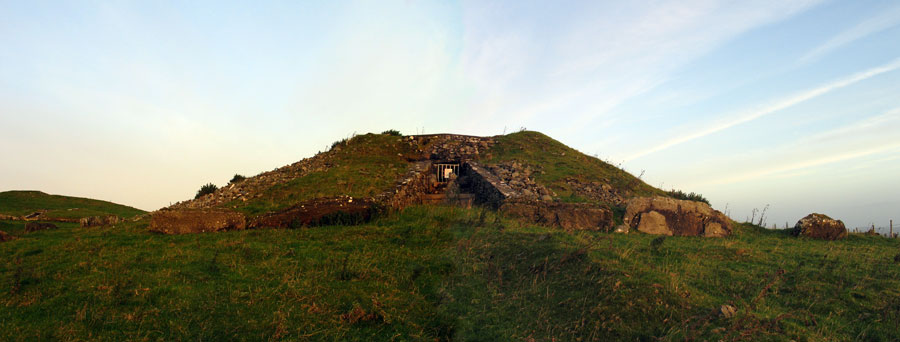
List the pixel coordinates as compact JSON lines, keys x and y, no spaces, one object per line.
{"x":678,"y":194}
{"x":237,"y":179}
{"x":393,"y":132}
{"x":341,"y":142}
{"x":206,"y":189}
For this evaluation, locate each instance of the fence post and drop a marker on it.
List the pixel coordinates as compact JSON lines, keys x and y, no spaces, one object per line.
{"x":892,"y":229}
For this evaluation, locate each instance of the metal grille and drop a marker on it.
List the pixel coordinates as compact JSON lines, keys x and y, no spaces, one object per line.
{"x":444,"y":171}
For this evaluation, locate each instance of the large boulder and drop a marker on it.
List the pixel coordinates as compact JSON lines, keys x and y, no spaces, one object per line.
{"x":6,"y":237}
{"x":95,"y":221}
{"x":819,"y":226}
{"x":185,"y":221}
{"x":669,"y":216}
{"x":569,"y":216}
{"x":36,"y":226}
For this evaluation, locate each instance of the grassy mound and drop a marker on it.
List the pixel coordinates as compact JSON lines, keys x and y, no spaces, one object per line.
{"x":362,"y":166}
{"x":557,"y":162}
{"x":440,"y":273}
{"x":19,"y":203}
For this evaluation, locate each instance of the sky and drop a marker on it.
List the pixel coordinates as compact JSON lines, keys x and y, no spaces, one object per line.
{"x":790,"y":105}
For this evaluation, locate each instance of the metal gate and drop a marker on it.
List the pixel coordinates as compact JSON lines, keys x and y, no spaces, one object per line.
{"x":445,"y":171}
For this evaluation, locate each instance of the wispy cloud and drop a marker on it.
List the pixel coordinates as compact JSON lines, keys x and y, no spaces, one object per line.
{"x":881,"y":22}
{"x":771,"y":108}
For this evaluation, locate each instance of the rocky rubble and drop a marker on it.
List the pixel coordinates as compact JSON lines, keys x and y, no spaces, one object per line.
{"x":669,"y":216}
{"x":819,"y":226}
{"x":597,"y":191}
{"x":450,"y":147}
{"x":519,"y":177}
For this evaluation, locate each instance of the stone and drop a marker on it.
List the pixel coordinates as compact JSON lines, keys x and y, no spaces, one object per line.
{"x":727,"y":311}
{"x":547,"y":198}
{"x":622,"y":229}
{"x":819,"y":226}
{"x":669,"y":216}
{"x":36,"y":226}
{"x":96,"y":221}
{"x":654,"y":223}
{"x":4,"y":237}
{"x":186,"y":221}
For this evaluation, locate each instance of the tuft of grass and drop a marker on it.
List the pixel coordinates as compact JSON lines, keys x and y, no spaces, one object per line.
{"x":392,"y":132}
{"x":19,"y":203}
{"x":678,"y":194}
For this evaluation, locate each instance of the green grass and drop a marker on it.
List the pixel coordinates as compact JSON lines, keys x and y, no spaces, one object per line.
{"x":440,"y":273}
{"x":363,"y":167}
{"x":557,"y":162}
{"x":19,"y":203}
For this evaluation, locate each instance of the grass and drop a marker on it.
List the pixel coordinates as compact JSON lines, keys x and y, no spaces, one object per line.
{"x":365,"y":166}
{"x":556,"y":162}
{"x":441,"y":273}
{"x":19,"y":203}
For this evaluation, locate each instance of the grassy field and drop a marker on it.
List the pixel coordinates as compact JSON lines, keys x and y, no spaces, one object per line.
{"x":19,"y":203}
{"x":440,"y":273}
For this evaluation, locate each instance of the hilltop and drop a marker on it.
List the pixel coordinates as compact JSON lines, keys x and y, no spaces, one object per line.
{"x":56,"y":207}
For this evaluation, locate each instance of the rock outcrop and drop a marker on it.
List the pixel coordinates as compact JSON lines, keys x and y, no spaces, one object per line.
{"x":6,"y":237}
{"x":36,"y":226}
{"x":569,"y":216}
{"x":819,"y":226}
{"x":96,"y":221}
{"x":669,"y":216}
{"x":182,"y":221}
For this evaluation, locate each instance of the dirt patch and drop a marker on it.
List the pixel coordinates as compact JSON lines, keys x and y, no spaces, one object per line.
{"x":185,"y":221}
{"x":320,"y":211}
{"x":6,"y":237}
{"x":96,"y":221}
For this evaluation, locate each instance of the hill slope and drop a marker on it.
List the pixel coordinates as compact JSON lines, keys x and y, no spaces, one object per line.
{"x":20,"y":203}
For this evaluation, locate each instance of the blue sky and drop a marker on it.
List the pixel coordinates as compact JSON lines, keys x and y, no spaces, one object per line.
{"x":788,"y":103}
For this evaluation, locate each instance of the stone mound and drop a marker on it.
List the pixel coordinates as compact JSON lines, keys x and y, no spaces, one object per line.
{"x":669,"y":216}
{"x":569,"y":216}
{"x":182,"y":221}
{"x":819,"y":226}
{"x":36,"y":226}
{"x":6,"y":237}
{"x":320,"y":211}
{"x":96,"y":221}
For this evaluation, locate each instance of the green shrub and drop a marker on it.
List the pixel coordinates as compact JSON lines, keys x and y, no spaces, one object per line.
{"x":678,"y":194}
{"x":393,"y":132}
{"x":206,"y":189}
{"x":237,"y":179}
{"x":342,"y":142}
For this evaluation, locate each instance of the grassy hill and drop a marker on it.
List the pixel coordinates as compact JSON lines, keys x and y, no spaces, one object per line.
{"x":19,"y":203}
{"x":442,"y":273}
{"x":437,"y":273}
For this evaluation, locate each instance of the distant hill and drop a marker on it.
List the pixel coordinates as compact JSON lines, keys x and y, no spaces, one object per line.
{"x":20,"y":203}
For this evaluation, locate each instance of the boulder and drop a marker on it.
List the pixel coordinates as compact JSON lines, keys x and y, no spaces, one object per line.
{"x":95,"y":221}
{"x":668,"y":216}
{"x":6,"y":237}
{"x":569,"y":216}
{"x":819,"y":226}
{"x":36,"y":226}
{"x":186,"y":221}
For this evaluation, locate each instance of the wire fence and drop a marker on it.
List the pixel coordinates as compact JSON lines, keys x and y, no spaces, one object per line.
{"x":887,"y":231}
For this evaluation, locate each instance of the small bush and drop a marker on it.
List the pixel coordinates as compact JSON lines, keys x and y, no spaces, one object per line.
{"x":237,"y":179}
{"x":342,"y":142}
{"x":392,"y":132}
{"x":678,"y":194}
{"x":206,"y":189}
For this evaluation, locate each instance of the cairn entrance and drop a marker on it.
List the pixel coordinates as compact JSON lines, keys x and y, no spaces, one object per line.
{"x":446,"y":176}
{"x":446,"y":172}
